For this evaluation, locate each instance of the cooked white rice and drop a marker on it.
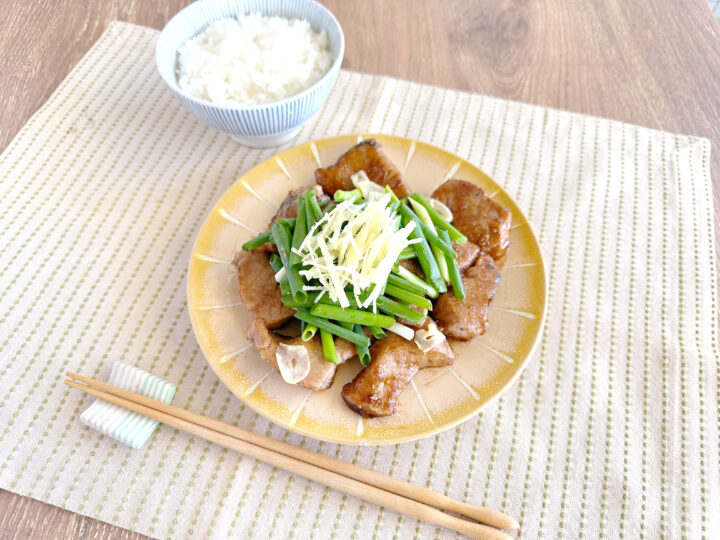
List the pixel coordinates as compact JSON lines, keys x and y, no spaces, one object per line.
{"x":253,"y":59}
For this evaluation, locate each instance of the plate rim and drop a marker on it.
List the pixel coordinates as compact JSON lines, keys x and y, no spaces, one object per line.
{"x":435,"y":429}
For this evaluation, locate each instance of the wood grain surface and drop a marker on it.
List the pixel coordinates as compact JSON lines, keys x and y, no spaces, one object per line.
{"x":656,"y":64}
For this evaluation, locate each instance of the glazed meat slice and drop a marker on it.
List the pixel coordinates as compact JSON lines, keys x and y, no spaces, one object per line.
{"x":478,"y":217}
{"x":288,"y":208}
{"x":258,"y":289}
{"x":395,"y":361}
{"x":322,"y":372}
{"x":468,"y":253}
{"x":465,"y":319}
{"x":366,"y":156}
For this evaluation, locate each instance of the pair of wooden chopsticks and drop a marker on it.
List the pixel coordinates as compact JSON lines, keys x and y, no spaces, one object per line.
{"x":415,"y":501}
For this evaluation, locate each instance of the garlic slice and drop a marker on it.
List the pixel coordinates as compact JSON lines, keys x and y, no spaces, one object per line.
{"x":293,"y":361}
{"x":427,"y":340}
{"x":369,"y":189}
{"x":441,"y":209}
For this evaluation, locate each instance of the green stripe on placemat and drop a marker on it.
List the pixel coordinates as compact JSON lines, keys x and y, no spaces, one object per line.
{"x":119,"y":423}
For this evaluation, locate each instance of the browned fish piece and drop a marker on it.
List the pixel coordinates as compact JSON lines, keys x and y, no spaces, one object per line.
{"x":322,"y":372}
{"x":288,"y":208}
{"x":465,"y":319}
{"x":478,"y":217}
{"x":395,"y":361}
{"x":467,"y":255}
{"x":258,"y":289}
{"x":366,"y":156}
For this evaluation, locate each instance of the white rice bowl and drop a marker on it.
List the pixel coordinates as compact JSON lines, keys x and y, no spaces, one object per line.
{"x":253,"y":60}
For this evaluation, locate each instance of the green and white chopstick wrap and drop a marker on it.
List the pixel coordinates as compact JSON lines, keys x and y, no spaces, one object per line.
{"x":121,"y":424}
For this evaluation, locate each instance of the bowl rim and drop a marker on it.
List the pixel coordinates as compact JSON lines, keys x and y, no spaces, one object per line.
{"x":330,"y":73}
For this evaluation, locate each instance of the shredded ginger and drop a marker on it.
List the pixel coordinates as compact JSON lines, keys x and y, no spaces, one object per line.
{"x":354,"y":247}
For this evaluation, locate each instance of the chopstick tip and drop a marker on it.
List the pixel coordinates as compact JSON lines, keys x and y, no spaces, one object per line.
{"x":503,"y":521}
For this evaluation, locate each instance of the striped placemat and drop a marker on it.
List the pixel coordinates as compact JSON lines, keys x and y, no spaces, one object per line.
{"x":612,"y":430}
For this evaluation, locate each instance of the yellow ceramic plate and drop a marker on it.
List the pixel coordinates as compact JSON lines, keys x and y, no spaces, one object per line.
{"x":438,"y":398}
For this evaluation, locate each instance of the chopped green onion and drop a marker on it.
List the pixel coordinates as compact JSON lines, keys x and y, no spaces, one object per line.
{"x":282,"y":239}
{"x":258,"y":241}
{"x":325,"y":299}
{"x":275,"y":262}
{"x":328,"y":346}
{"x":352,"y":315}
{"x":393,"y":197}
{"x":439,"y":221}
{"x":299,"y":233}
{"x":363,"y":352}
{"x":454,"y":271}
{"x":309,"y":214}
{"x":284,"y":287}
{"x":407,"y":296}
{"x":341,"y":195}
{"x":377,"y":332}
{"x":289,"y":221}
{"x":429,"y":233}
{"x":422,"y":251}
{"x":439,"y":255}
{"x":333,"y":328}
{"x":406,"y":253}
{"x":309,"y":331}
{"x":290,"y":301}
{"x":404,"y":278}
{"x":441,"y":259}
{"x":277,"y":265}
{"x":396,"y":309}
{"x":311,"y":199}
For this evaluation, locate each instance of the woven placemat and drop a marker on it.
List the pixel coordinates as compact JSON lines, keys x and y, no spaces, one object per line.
{"x":612,"y":429}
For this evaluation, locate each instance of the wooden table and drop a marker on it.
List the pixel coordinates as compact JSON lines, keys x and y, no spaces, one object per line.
{"x":638,"y":62}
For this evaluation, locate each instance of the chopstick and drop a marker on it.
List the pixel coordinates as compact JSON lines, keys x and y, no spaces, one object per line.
{"x":491,"y":517}
{"x":368,"y":485}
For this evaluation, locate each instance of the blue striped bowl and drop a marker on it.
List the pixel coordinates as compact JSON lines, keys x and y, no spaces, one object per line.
{"x":259,"y":126}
